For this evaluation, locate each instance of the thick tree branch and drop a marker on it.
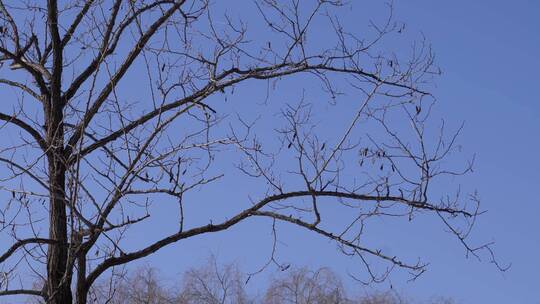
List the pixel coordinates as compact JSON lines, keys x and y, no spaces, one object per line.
{"x":22,"y":243}
{"x":22,"y":87}
{"x":254,"y":210}
{"x":34,"y":133}
{"x":36,"y":70}
{"x":191,"y":100}
{"x":30,"y":292}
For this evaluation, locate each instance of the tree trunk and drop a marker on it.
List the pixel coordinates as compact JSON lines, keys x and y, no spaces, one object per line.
{"x":58,"y":280}
{"x":82,"y":289}
{"x":58,"y":276}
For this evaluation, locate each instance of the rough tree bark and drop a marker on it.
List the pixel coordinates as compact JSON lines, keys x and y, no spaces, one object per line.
{"x":58,"y":280}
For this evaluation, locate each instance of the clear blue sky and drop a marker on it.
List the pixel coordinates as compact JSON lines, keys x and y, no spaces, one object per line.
{"x":488,"y":51}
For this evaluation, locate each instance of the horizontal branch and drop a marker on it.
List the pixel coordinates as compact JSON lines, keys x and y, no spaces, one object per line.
{"x":252,"y":211}
{"x":22,"y":292}
{"x":218,"y":85}
{"x":379,"y":80}
{"x":22,"y":243}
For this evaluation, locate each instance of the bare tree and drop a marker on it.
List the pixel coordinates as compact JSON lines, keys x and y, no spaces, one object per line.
{"x":213,"y":283}
{"x":302,"y":286}
{"x":388,"y":297}
{"x":85,"y":158}
{"x":209,"y":284}
{"x":141,"y":286}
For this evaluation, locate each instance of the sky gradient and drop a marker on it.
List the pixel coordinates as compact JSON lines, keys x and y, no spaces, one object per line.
{"x":488,"y":51}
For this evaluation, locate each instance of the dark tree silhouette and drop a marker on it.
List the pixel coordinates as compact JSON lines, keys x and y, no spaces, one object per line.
{"x":85,"y":161}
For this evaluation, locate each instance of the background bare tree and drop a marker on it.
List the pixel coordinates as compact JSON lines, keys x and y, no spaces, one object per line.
{"x":221,"y":284}
{"x":141,"y":286}
{"x":216,"y":284}
{"x":303,"y":286}
{"x":209,"y":284}
{"x":115,"y":111}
